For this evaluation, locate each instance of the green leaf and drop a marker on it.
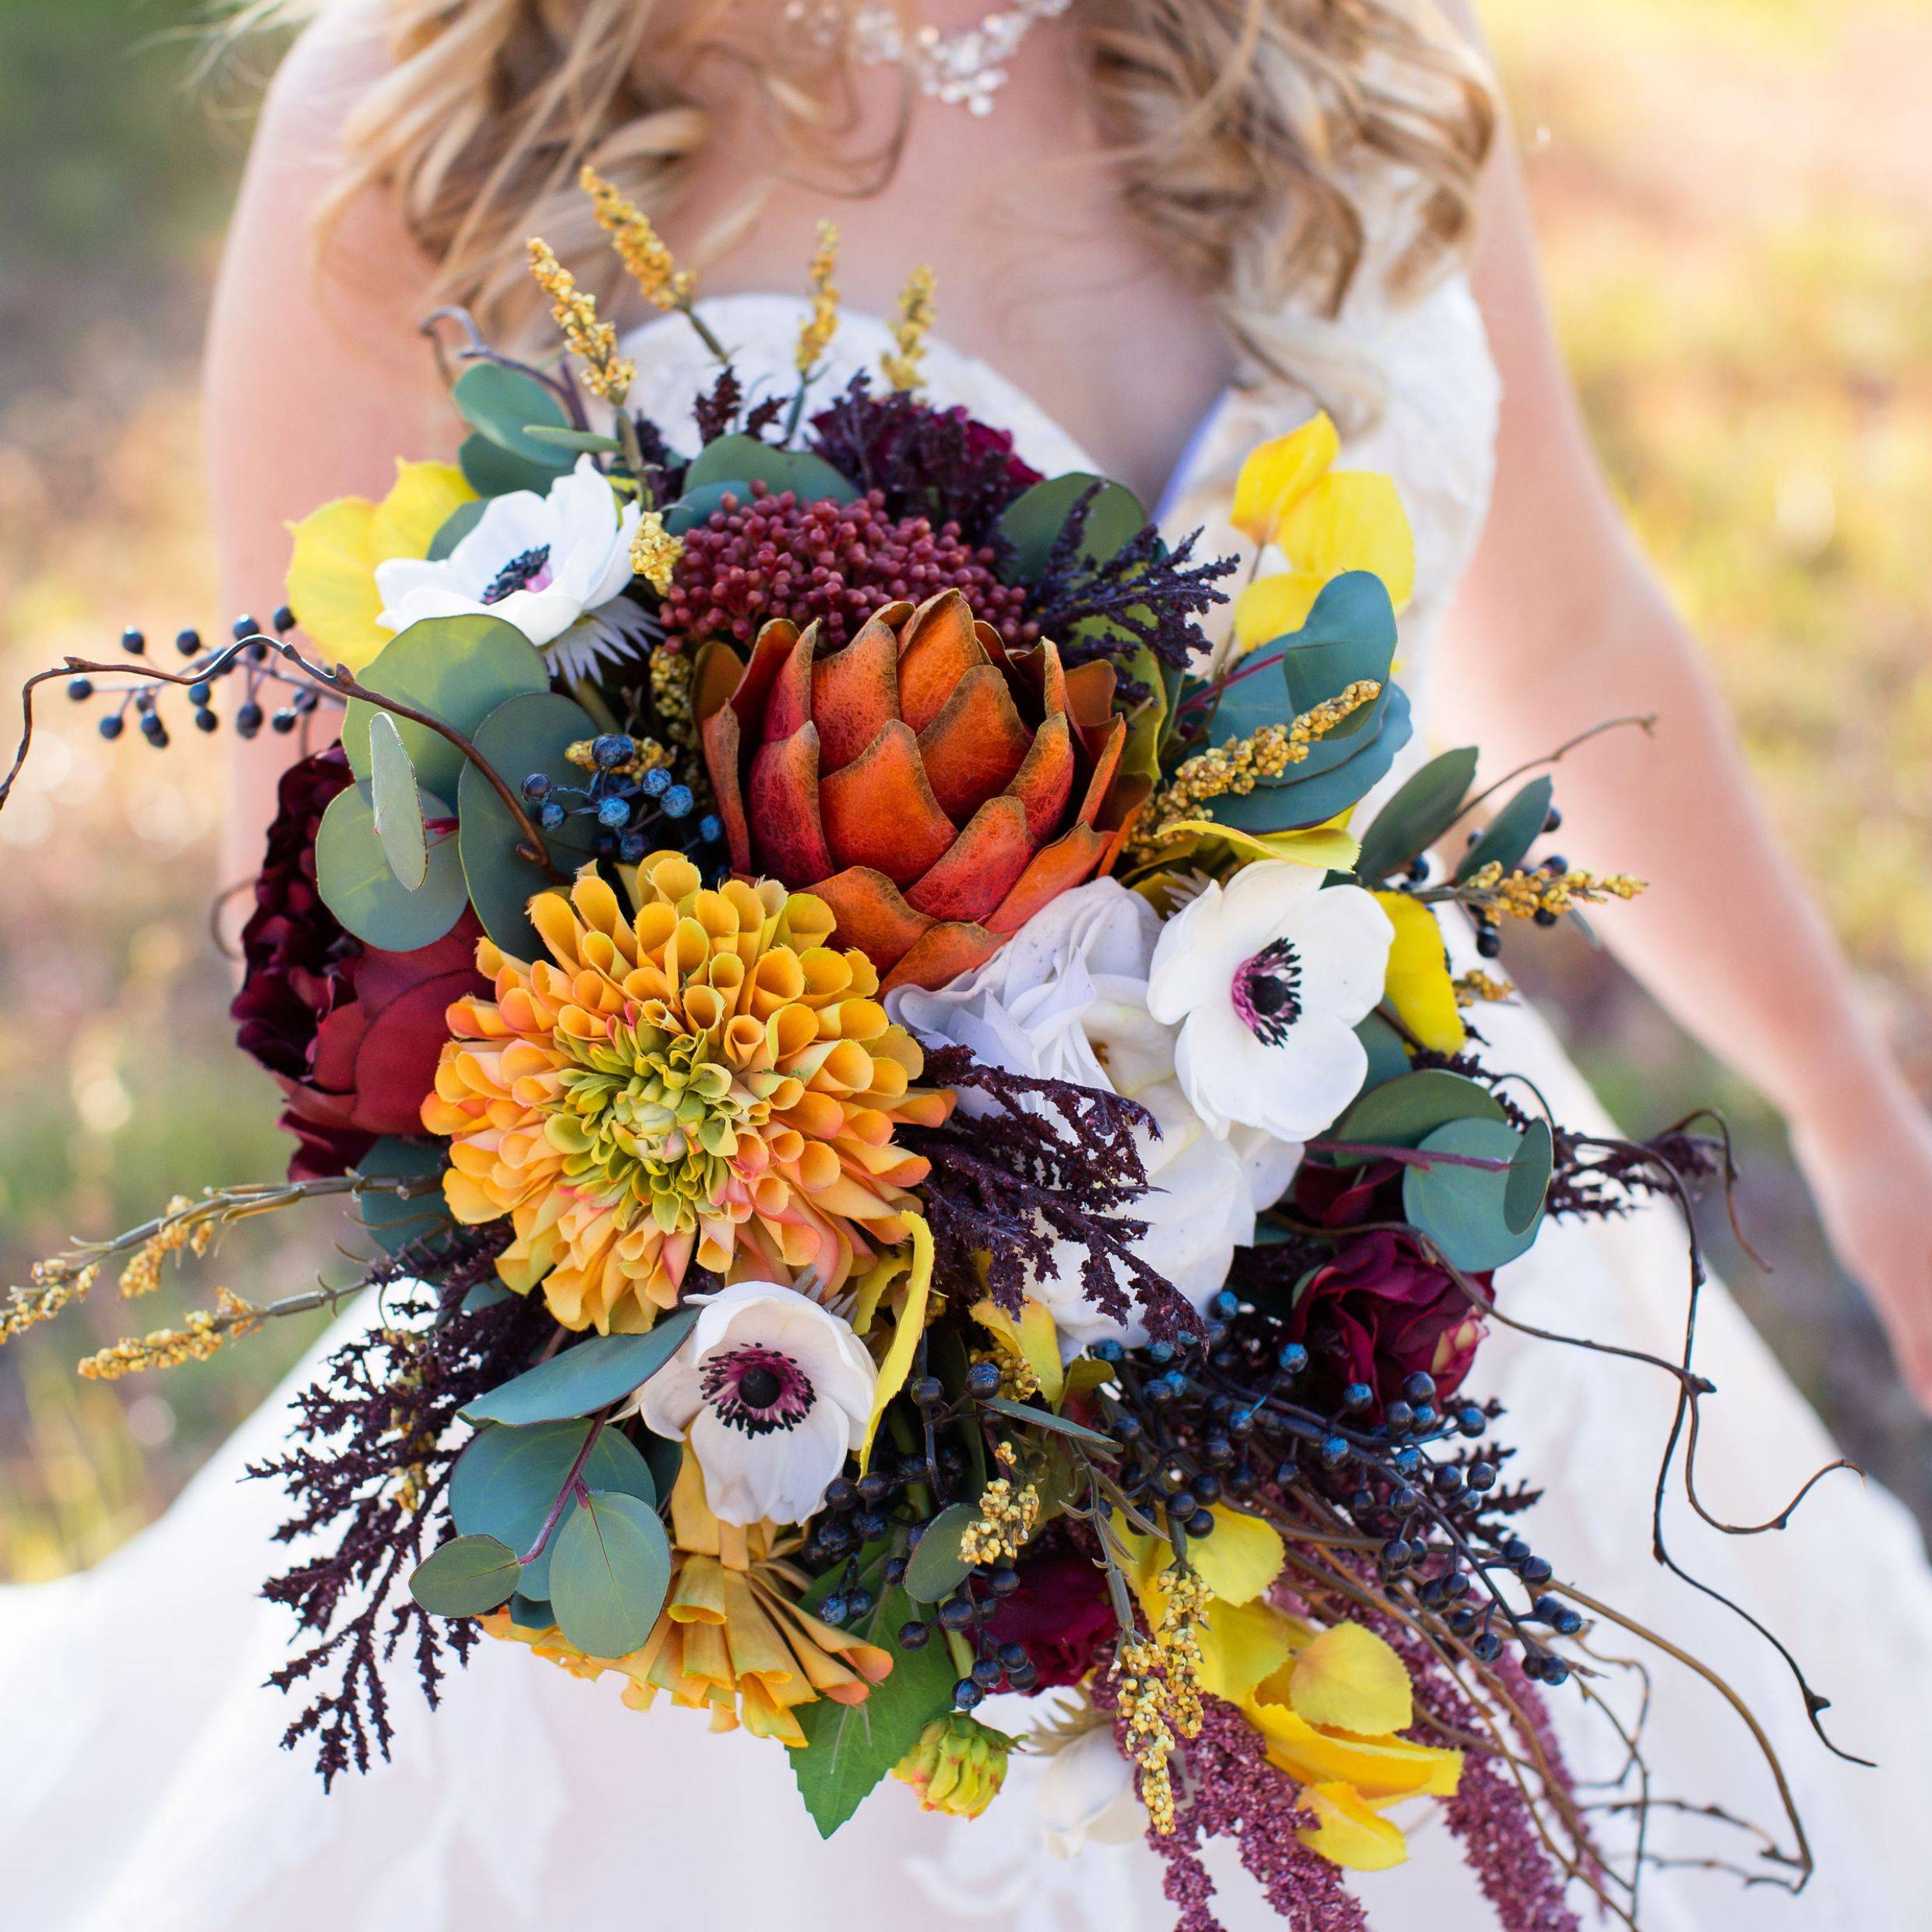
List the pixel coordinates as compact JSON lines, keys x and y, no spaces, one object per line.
{"x":611,"y":1574}
{"x":694,"y":506}
{"x":1512,"y":832}
{"x":580,"y":440}
{"x":507,"y":1480}
{"x":1463,"y":1210}
{"x":589,"y":1375}
{"x":397,"y":804}
{"x":469,"y":1576}
{"x":1419,"y":814}
{"x":458,"y":669}
{"x":1045,"y":1418}
{"x":1388,"y":1058}
{"x":1404,"y":1112}
{"x":394,"y":1221}
{"x":1032,"y":522}
{"x":485,"y":1295}
{"x":359,"y":886}
{"x":457,"y":525}
{"x":1529,"y":1177}
{"x":527,"y":734}
{"x":744,"y":460}
{"x":503,"y":406}
{"x":491,"y":470}
{"x":850,"y":1747}
{"x":937,"y":1569}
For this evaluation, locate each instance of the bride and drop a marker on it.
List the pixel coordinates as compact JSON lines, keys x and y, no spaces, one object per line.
{"x":1164,"y":230}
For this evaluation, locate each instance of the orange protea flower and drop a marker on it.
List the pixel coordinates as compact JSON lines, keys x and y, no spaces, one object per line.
{"x":709,"y":1080}
{"x":732,"y":1638}
{"x":934,"y":789}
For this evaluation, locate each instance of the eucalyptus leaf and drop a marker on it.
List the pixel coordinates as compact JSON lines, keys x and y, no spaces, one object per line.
{"x":937,"y":1569}
{"x":1463,"y":1210}
{"x":504,"y":405}
{"x":485,"y":1295}
{"x":1349,"y":635}
{"x":1403,"y":1112}
{"x":1419,"y":814}
{"x":695,"y":506}
{"x":850,"y":1747}
{"x":611,"y":1574}
{"x":588,"y":1376}
{"x":457,"y":525}
{"x":491,"y":470}
{"x":507,"y":1481}
{"x":1529,"y":1177}
{"x":1032,"y":522}
{"x":747,"y":459}
{"x":1296,"y":801}
{"x":458,"y":669}
{"x":1388,"y":1058}
{"x":393,"y":1220}
{"x":1507,"y":840}
{"x":397,"y":804}
{"x":579,"y":440}
{"x":1045,"y":1418}
{"x":359,"y":886}
{"x":469,"y":1576}
{"x":528,"y":734}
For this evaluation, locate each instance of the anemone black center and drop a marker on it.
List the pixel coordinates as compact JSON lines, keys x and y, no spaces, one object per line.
{"x":518,"y":574}
{"x":1267,"y":991}
{"x":759,"y":1388}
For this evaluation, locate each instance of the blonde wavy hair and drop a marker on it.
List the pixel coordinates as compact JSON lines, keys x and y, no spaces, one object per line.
{"x":1261,"y":144}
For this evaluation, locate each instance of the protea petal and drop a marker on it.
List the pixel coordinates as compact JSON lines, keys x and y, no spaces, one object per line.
{"x":784,"y":806}
{"x":1106,"y":763}
{"x":938,"y":647}
{"x":855,"y":693}
{"x":1069,"y":861}
{"x":982,"y":865}
{"x":720,"y":735}
{"x":769,"y":652}
{"x":880,"y":811}
{"x":872,"y":913}
{"x":972,"y":749}
{"x":1044,"y":782}
{"x":943,"y":953}
{"x":788,"y":708}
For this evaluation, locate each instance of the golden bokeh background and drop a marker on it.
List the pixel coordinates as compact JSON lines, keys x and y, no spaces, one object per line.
{"x":1735,"y":197}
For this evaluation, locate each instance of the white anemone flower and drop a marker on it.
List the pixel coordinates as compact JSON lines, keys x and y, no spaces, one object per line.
{"x":1267,"y":977}
{"x":772,"y":1391}
{"x":554,"y":566}
{"x":1065,"y":998}
{"x":1087,"y":1795}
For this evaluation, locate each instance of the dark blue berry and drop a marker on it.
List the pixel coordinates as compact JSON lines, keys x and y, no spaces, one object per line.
{"x":1292,"y":1358}
{"x":283,"y":620}
{"x":551,"y":815}
{"x":656,"y":782}
{"x":536,"y":787}
{"x":133,"y":642}
{"x":248,"y":721}
{"x":1357,"y":1395}
{"x":987,"y":1672}
{"x":834,"y":1610}
{"x":187,"y":642}
{"x":613,"y":812}
{"x":1419,"y":1387}
{"x":914,"y":1636}
{"x":205,"y":720}
{"x":243,"y":626}
{"x":110,"y":727}
{"x":966,"y":1694}
{"x":611,"y":749}
{"x":983,"y":1380}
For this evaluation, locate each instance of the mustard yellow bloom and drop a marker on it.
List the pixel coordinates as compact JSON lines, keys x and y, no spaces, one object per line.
{"x":1419,"y":985}
{"x":709,"y":1080}
{"x":331,"y":584}
{"x":957,"y":1766}
{"x":1324,"y":521}
{"x":732,"y":1638}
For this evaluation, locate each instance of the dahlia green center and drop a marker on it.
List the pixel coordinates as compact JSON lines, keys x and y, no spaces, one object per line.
{"x":650,"y":1120}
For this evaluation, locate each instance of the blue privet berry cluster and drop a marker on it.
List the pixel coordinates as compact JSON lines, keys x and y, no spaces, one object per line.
{"x":260,"y":671}
{"x":1222,"y":1418}
{"x":894,"y":1505}
{"x":635,"y":812}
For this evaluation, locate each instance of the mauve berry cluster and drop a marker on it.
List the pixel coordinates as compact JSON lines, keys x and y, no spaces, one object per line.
{"x":774,"y":556}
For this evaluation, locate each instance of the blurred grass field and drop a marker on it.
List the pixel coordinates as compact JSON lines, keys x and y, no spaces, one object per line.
{"x":1736,"y":199}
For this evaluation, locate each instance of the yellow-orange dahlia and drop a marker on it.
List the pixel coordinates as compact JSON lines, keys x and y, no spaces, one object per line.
{"x":709,"y":1081}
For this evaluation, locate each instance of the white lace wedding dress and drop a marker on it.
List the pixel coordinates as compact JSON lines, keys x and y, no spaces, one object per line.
{"x":140,"y":1784}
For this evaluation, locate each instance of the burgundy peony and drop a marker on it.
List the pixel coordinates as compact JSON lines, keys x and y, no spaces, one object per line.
{"x":1380,"y":1309}
{"x":350,"y":1033}
{"x":1060,"y":1613}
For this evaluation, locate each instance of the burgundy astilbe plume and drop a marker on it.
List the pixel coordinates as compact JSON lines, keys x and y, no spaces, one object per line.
{"x":1038,"y":1163}
{"x":367,"y":1473}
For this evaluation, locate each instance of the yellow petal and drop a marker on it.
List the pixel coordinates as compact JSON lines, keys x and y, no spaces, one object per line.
{"x":1418,"y":985}
{"x":1033,"y":1337}
{"x":1327,"y":846}
{"x":1242,"y":1644}
{"x":898,"y":1363}
{"x":1276,"y":473}
{"x":1348,"y":1833}
{"x":331,"y":585}
{"x":1350,"y":1679}
{"x":1273,"y":606}
{"x":1241,"y":1558}
{"x":1379,"y":1769}
{"x":423,"y":499}
{"x":1351,"y":520}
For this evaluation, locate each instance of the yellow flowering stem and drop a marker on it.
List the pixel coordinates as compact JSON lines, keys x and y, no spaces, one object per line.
{"x":816,"y":332}
{"x":910,"y":328}
{"x":643,"y":251}
{"x":590,"y":338}
{"x":204,"y":1332}
{"x":193,"y":1225}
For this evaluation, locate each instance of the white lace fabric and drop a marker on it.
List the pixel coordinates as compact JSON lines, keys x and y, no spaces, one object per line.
{"x":140,"y":1779}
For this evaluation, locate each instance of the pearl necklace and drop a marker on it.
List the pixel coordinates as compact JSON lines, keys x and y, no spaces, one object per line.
{"x":964,"y":68}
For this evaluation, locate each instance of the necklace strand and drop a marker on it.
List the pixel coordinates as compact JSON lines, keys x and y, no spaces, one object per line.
{"x":965,"y":69}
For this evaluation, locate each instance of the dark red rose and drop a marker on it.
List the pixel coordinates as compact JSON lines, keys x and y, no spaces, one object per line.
{"x":1346,"y":1196}
{"x":1060,"y":1613}
{"x":350,"y":1033}
{"x":1380,"y":1310}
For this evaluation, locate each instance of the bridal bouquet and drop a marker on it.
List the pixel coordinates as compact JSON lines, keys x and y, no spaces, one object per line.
{"x":917,"y":1142}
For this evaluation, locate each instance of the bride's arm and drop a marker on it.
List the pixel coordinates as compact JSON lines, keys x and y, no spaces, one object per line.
{"x":317,"y":379}
{"x":1561,"y":624}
